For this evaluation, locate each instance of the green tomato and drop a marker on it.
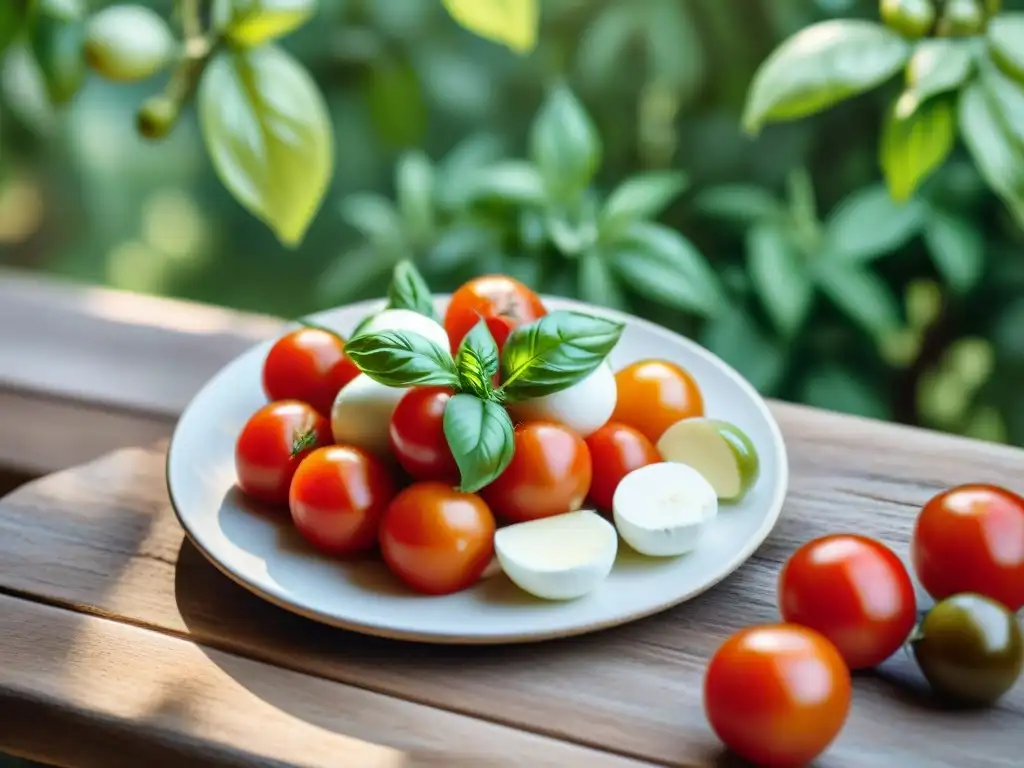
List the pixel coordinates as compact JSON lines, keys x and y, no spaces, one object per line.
{"x":126,"y":43}
{"x":911,"y":18}
{"x":720,"y":451}
{"x":157,"y":117}
{"x":962,"y":18}
{"x":970,"y":649}
{"x":57,"y":35}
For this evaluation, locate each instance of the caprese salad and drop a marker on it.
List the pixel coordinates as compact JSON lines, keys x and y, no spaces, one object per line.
{"x":497,"y":437}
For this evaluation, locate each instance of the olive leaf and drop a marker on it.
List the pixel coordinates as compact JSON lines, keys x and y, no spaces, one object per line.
{"x":938,"y":65}
{"x":268,"y":132}
{"x":477,"y":361}
{"x":402,"y":359}
{"x":780,"y":277}
{"x":821,"y":66}
{"x":1005,"y":33}
{"x":481,"y":437}
{"x":564,"y":144}
{"x":408,"y":290}
{"x":512,"y":23}
{"x":56,"y":33}
{"x":556,"y":351}
{"x":914,"y":147}
{"x":995,"y":155}
{"x":869,"y":224}
{"x":249,"y":23}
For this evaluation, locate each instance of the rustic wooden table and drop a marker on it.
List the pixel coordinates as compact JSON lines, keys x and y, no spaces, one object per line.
{"x":121,"y":646}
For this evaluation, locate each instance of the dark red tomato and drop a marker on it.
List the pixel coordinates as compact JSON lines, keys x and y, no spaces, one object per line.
{"x":437,"y":539}
{"x":854,"y":591}
{"x":338,"y":497}
{"x":971,"y":539}
{"x":777,"y":695}
{"x":308,"y":365}
{"x":504,"y":303}
{"x":417,"y":435}
{"x":654,"y":395}
{"x":615,"y":451}
{"x":273,"y":443}
{"x":550,"y":474}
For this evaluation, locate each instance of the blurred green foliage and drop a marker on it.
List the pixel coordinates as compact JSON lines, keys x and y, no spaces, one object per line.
{"x":609,"y":162}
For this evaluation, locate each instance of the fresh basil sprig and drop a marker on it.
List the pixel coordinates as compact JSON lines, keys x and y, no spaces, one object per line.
{"x":477,"y":361}
{"x":555,"y":352}
{"x":402,"y":359}
{"x":408,"y":290}
{"x":482,"y":439}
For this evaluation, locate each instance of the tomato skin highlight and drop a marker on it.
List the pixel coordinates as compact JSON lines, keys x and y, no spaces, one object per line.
{"x":264,"y":464}
{"x":971,"y":539}
{"x":436,"y":539}
{"x":550,"y":474}
{"x":615,"y":451}
{"x":308,"y":365}
{"x":503,"y":302}
{"x":654,"y":395}
{"x":777,"y":695}
{"x":337,"y":499}
{"x":417,"y":435}
{"x":853,"y":590}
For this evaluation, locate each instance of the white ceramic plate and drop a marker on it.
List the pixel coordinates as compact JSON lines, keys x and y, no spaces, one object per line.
{"x":259,"y":549}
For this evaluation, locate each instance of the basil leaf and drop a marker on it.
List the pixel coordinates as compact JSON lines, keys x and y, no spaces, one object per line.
{"x":1007,"y":97}
{"x":868,"y":224}
{"x":597,"y":282}
{"x":738,"y":203}
{"x":1004,"y":35}
{"x":957,"y":249}
{"x":408,"y":290}
{"x":402,"y":359}
{"x":862,"y":296}
{"x":780,"y":277}
{"x":477,"y":360}
{"x":640,"y":197}
{"x":821,"y":66}
{"x":913,"y":148}
{"x":938,"y":65}
{"x":414,"y":186}
{"x":56,"y":32}
{"x":564,"y":144}
{"x":482,"y":439}
{"x":554,"y":352}
{"x":512,"y":181}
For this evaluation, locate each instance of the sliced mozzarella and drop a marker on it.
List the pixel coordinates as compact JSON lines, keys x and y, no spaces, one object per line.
{"x":718,"y":450}
{"x":558,"y":558}
{"x":662,"y":510}
{"x":361,"y":415}
{"x":584,"y":407}
{"x":406,"y":320}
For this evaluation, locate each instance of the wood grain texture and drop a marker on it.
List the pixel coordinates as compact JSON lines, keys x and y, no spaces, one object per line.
{"x":102,"y":539}
{"x":118,"y":695}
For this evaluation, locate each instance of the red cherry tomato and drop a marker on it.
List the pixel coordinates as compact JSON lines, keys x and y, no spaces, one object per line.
{"x":971,"y":539}
{"x":308,"y":365}
{"x":417,"y":435}
{"x":436,"y":539}
{"x":855,"y":592}
{"x":615,"y":451}
{"x":273,"y":443}
{"x":777,"y":695}
{"x":504,"y":303}
{"x":337,"y":498}
{"x":654,"y":395}
{"x":550,"y":474}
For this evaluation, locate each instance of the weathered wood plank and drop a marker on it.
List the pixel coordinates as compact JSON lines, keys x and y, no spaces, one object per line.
{"x":102,"y":539}
{"x":82,"y":691}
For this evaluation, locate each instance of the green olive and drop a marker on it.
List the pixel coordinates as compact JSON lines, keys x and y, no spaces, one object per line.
{"x":912,"y":18}
{"x":126,"y":43}
{"x":970,"y":649}
{"x":157,"y":117}
{"x":962,"y":18}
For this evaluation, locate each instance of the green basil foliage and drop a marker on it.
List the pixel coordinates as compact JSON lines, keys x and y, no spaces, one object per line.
{"x":477,"y":361}
{"x":482,"y":439}
{"x":555,"y":352}
{"x":408,"y":290}
{"x":402,"y":359}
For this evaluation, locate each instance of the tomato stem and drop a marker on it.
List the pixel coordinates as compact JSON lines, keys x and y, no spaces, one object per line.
{"x":303,"y":441}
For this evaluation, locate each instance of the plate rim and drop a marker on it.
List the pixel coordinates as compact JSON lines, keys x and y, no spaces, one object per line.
{"x":436,"y":638}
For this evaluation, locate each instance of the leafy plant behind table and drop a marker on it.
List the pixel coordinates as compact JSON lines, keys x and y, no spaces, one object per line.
{"x":861,"y":253}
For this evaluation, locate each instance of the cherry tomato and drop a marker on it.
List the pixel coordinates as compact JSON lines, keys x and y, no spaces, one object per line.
{"x":417,"y":435}
{"x":777,"y":695}
{"x":854,"y":591}
{"x":436,"y":539}
{"x":504,"y":303}
{"x":273,"y":443}
{"x":308,"y":365}
{"x":971,"y":539}
{"x":337,"y":498}
{"x":615,"y":451}
{"x":550,"y":474}
{"x":654,"y":395}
